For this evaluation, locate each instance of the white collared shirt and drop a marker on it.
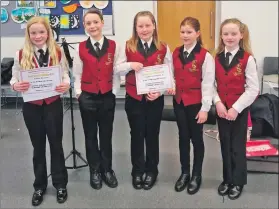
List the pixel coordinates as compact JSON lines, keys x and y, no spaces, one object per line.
{"x":101,"y":42}
{"x":251,"y":87}
{"x":190,"y":49}
{"x":148,"y":42}
{"x":119,"y":59}
{"x":44,"y":48}
{"x":16,"y":67}
{"x":233,"y":53}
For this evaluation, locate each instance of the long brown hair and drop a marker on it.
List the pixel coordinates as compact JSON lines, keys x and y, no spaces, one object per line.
{"x":194,"y":23}
{"x":244,"y":42}
{"x":28,"y":51}
{"x":133,"y":41}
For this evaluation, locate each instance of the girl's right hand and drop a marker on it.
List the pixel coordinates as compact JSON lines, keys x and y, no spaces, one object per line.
{"x":221,"y":110}
{"x":21,"y":86}
{"x":171,"y":91}
{"x":136,"y":66}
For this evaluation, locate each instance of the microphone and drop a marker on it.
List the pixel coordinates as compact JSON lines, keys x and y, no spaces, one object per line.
{"x":67,"y":52}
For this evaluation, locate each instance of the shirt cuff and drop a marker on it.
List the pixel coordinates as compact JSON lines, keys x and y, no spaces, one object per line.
{"x":237,"y":107}
{"x":216,"y":99}
{"x":78,"y":92}
{"x":205,"y":108}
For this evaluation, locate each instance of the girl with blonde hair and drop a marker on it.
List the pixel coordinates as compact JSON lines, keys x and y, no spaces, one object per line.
{"x":144,"y":112}
{"x":43,"y":117}
{"x":237,"y":87}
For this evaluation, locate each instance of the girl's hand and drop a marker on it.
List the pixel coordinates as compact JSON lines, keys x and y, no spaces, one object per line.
{"x":171,"y":91}
{"x":152,"y":96}
{"x":136,"y":66}
{"x":221,"y":110}
{"x":21,"y":86}
{"x":201,"y":116}
{"x":62,"y":88}
{"x":232,"y":114}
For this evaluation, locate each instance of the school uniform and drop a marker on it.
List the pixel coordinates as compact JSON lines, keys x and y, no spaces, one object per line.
{"x":237,"y":87}
{"x":45,"y":118}
{"x":194,"y":78}
{"x":96,"y":84}
{"x":144,"y":116}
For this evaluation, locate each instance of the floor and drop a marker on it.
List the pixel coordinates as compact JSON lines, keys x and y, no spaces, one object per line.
{"x":17,"y":173}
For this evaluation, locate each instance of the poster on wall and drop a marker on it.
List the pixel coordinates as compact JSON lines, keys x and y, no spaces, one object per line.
{"x":65,"y":16}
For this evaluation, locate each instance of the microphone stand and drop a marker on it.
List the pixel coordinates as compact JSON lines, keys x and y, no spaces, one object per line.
{"x":76,"y":154}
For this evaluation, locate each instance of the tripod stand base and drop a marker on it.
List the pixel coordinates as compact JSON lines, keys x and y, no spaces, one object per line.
{"x":75,"y":154}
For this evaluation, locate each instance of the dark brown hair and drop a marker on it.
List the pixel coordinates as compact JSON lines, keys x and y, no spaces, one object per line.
{"x":94,"y":11}
{"x":194,"y":23}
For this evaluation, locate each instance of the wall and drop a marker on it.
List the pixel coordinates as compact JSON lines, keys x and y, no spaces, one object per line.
{"x":261,"y":18}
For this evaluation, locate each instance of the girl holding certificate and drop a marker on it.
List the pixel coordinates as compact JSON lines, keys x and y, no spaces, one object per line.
{"x":194,"y":78}
{"x":237,"y":87}
{"x":43,"y":117}
{"x":95,"y":87}
{"x":144,"y":111}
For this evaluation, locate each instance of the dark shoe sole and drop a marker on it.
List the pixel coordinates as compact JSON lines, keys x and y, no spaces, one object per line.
{"x":110,"y":185}
{"x":149,"y":187}
{"x":180,"y":190}
{"x":62,"y":201}
{"x":138,"y":188}
{"x":96,"y":187}
{"x":224,"y":193}
{"x":235,"y":197}
{"x":37,"y":204}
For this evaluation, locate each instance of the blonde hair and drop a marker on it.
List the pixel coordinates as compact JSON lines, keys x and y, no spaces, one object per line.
{"x":244,"y":42}
{"x":28,"y":51}
{"x":133,"y":41}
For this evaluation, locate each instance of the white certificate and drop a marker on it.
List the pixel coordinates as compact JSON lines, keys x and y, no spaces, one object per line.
{"x":43,"y":82}
{"x":153,"y":79}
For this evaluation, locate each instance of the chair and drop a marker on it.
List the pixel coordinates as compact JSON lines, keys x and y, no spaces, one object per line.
{"x":270,"y":74}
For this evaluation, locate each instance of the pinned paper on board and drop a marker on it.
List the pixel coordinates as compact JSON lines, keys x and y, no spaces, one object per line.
{"x":65,"y":21}
{"x":54,"y":21}
{"x":4,"y":15}
{"x":24,"y":3}
{"x":74,"y":21}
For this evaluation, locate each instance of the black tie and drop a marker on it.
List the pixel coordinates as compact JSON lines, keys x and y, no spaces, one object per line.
{"x":185,"y":55}
{"x":98,"y":50}
{"x":41,"y":57}
{"x":146,"y":48}
{"x":227,"y":59}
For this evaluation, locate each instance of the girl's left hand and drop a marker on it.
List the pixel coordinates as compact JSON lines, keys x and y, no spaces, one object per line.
{"x":232,"y":114}
{"x":201,"y":116}
{"x":152,"y":96}
{"x":62,"y":88}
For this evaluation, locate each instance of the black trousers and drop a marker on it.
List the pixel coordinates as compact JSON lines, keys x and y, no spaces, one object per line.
{"x":189,"y":129}
{"x":42,"y":121}
{"x":97,"y":112}
{"x":233,"y":137}
{"x":144,"y":119}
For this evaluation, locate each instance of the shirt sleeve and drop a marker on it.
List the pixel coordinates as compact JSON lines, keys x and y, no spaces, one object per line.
{"x":65,"y":68}
{"x":168,"y":61}
{"x":15,"y":70}
{"x":121,"y":66}
{"x":77,"y":72}
{"x":251,"y":87}
{"x":120,"y":61}
{"x":208,"y":77}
